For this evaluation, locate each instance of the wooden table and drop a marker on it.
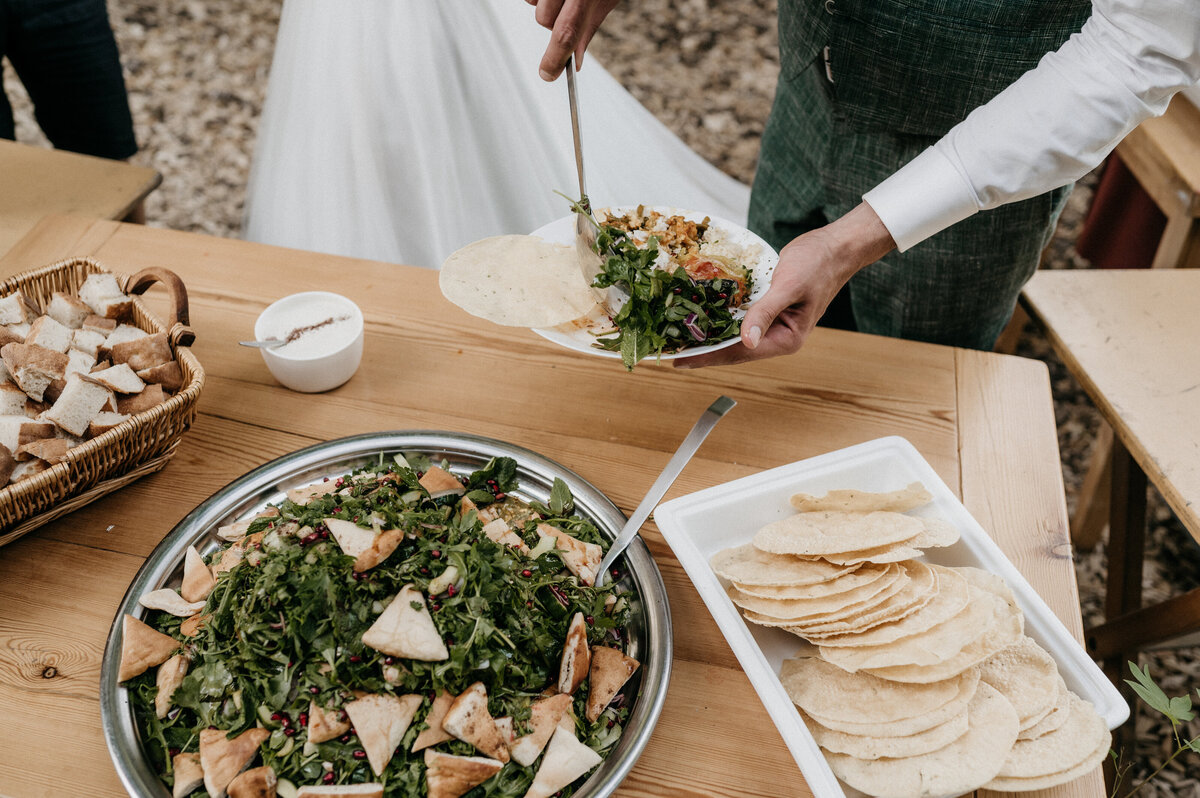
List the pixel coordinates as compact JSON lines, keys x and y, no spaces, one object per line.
{"x":984,"y":421}
{"x":1130,"y":338}
{"x":35,"y":181}
{"x":1164,"y":155}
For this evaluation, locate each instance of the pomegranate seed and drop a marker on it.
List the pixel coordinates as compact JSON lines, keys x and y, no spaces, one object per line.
{"x":275,"y":716}
{"x":285,"y":721}
{"x":611,"y":723}
{"x":342,"y":715}
{"x":328,"y":778}
{"x":173,"y":751}
{"x":449,"y":641}
{"x":356,"y":519}
{"x":326,"y":479}
{"x":424,"y":570}
{"x":420,"y":474}
{"x":435,"y":607}
{"x":527,"y":573}
{"x":589,"y":620}
{"x":290,"y":663}
{"x":337,"y":509}
{"x":677,"y":291}
{"x":355,"y":658}
{"x":359,"y":753}
{"x":303,"y":718}
{"x":616,"y":573}
{"x":314,"y":689}
{"x":436,"y":554}
{"x":345,"y":738}
{"x":288,"y":731}
{"x":389,"y":660}
{"x":528,"y":603}
{"x":500,"y":496}
{"x":451,"y":590}
{"x":723,"y":295}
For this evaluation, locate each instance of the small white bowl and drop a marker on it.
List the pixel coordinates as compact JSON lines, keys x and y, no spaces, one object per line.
{"x":326,"y":332}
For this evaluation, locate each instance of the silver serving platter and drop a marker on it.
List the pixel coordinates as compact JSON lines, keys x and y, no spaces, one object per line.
{"x":649,"y":631}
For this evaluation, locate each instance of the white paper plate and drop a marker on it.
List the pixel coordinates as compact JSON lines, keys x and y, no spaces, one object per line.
{"x":700,"y":524}
{"x":580,"y":335}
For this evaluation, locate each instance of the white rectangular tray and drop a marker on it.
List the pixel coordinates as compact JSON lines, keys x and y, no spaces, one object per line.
{"x":700,"y":524}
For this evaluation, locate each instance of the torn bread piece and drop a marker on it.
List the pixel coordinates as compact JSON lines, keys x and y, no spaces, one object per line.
{"x":581,"y":559}
{"x":223,"y":758}
{"x":79,"y":363}
{"x":326,"y":724}
{"x":168,"y":375}
{"x":609,"y":671}
{"x":544,"y":716}
{"x":435,"y":734}
{"x":255,"y":783}
{"x":440,"y":482}
{"x":87,"y":342}
{"x":68,"y":310}
{"x":351,"y":538}
{"x":151,"y":396}
{"x":380,"y":549}
{"x":380,"y":722}
{"x":450,"y":776}
{"x":566,"y":760}
{"x":575,"y":657}
{"x":142,"y":353}
{"x":498,"y":531}
{"x":79,"y":403}
{"x":16,"y":308}
{"x":8,"y":464}
{"x":169,"y":677}
{"x":12,"y":400}
{"x":168,"y":600}
{"x":33,"y":367}
{"x":406,"y":629}
{"x":309,"y":492}
{"x":99,"y":324}
{"x":104,"y":421}
{"x":119,"y":378}
{"x":28,"y":469}
{"x":188,"y":774}
{"x":468,"y":719}
{"x":142,"y":647}
{"x":47,"y":332}
{"x":104,"y":296}
{"x":51,"y":450}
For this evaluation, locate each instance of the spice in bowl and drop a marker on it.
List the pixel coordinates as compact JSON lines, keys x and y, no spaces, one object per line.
{"x":321,"y":336}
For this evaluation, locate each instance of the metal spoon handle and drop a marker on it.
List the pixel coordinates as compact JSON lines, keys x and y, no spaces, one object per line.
{"x":675,"y":465}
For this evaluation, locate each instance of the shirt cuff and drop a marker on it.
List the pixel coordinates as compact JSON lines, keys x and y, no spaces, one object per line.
{"x":923,"y":197}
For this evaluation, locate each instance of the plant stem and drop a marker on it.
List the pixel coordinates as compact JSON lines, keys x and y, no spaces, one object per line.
{"x":1159,"y":769}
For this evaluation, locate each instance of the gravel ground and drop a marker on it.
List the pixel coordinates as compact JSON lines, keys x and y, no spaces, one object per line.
{"x":196,"y":74}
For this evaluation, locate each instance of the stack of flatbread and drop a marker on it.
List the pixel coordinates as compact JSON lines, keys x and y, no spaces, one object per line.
{"x":924,"y":682}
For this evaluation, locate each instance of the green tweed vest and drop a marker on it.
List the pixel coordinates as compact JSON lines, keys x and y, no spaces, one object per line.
{"x":920,"y":66}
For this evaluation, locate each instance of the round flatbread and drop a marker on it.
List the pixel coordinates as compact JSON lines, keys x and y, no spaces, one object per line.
{"x":962,"y":766}
{"x":923,"y":742}
{"x":936,"y":534}
{"x":881,"y":554}
{"x":837,"y":613}
{"x":950,"y":599}
{"x":838,"y":585}
{"x":1055,"y":718}
{"x":517,"y":281}
{"x":831,"y":532}
{"x":914,"y":725}
{"x":1027,"y":676}
{"x":819,"y":606}
{"x":823,"y":690}
{"x":750,"y":566}
{"x":1093,"y":760}
{"x":1062,"y":749}
{"x":921,"y":587}
{"x":896,"y":501}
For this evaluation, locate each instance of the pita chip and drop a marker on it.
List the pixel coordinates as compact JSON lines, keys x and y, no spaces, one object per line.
{"x":223,"y":758}
{"x":609,"y":671}
{"x":544,"y":716}
{"x":435,"y":733}
{"x":406,"y":629}
{"x":192,"y":625}
{"x":468,"y":719}
{"x":255,"y":783}
{"x":566,"y":760}
{"x":168,"y":600}
{"x":450,"y":776}
{"x":575,"y":657}
{"x":380,"y":549}
{"x":581,"y":559}
{"x":380,"y":722}
{"x":309,"y":492}
{"x":498,"y":531}
{"x":169,"y":677}
{"x":440,"y":482}
{"x":325,"y":724}
{"x":188,"y":774}
{"x":352,"y":538}
{"x":341,"y":791}
{"x":142,"y":648}
{"x":198,"y":581}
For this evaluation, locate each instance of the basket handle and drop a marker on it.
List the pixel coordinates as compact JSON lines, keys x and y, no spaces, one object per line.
{"x":180,"y":333}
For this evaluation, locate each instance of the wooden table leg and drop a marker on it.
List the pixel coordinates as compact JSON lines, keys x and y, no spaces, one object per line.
{"x":1092,"y":505}
{"x":1180,"y":243}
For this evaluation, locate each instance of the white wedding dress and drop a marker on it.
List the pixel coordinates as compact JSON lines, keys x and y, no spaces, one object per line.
{"x":401,"y":130}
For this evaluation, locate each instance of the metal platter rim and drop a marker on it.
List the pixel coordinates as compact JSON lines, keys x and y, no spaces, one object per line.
{"x":116,"y":715}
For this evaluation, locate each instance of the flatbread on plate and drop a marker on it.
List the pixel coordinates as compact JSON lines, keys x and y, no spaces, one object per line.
{"x":749,"y":565}
{"x":830,"y":532}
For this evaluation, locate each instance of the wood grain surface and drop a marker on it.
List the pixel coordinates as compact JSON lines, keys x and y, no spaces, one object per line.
{"x":983,"y":421}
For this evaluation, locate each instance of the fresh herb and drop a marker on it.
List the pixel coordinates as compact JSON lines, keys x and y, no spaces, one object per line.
{"x":1176,"y":709}
{"x":285,"y":627}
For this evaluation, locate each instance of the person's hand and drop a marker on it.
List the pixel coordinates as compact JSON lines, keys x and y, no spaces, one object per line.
{"x":572,"y":24}
{"x":811,"y":270}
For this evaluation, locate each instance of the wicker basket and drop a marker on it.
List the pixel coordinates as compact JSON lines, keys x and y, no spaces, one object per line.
{"x":139,"y":446}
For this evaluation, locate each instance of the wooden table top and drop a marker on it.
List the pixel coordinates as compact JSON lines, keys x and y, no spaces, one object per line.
{"x":1130,"y":338}
{"x":39,"y":181}
{"x":985,"y":423}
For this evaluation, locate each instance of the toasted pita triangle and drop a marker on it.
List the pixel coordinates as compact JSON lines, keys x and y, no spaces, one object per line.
{"x":566,"y":760}
{"x":450,"y":776}
{"x":439,"y":481}
{"x":256,"y":783}
{"x":380,"y":722}
{"x":581,"y":559}
{"x":609,"y":671}
{"x":169,"y":677}
{"x":309,"y":492}
{"x":435,"y":733}
{"x":168,"y":600}
{"x":191,"y":626}
{"x":198,"y":581}
{"x":406,"y":629}
{"x":223,"y":758}
{"x":188,"y":774}
{"x":544,"y":716}
{"x":468,"y":719}
{"x":498,"y":531}
{"x":352,"y":538}
{"x":142,"y":648}
{"x":575,"y":657}
{"x":325,"y":724}
{"x":380,"y":549}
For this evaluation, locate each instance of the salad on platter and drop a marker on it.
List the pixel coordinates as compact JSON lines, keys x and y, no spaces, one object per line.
{"x":399,"y":631}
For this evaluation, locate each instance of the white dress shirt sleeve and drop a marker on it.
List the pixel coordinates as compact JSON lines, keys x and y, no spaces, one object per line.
{"x":1054,"y":123}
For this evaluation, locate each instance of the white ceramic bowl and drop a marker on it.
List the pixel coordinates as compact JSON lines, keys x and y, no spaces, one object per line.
{"x":326,"y":332}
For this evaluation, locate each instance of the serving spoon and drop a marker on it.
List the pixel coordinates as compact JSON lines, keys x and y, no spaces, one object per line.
{"x":708,"y":419}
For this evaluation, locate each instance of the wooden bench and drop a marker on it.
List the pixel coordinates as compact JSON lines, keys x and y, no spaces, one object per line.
{"x":36,"y":182}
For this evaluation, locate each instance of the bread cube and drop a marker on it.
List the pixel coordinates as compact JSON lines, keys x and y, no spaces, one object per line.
{"x":151,"y":396}
{"x":27,"y":469}
{"x":7,"y":464}
{"x":79,"y":362}
{"x":7,"y":336}
{"x":16,"y":309}
{"x":79,"y":403}
{"x":88,"y":341}
{"x":33,"y":367}
{"x":68,"y":310}
{"x":47,"y":332}
{"x":18,"y":430}
{"x":143,"y":353}
{"x":102,"y":294}
{"x":52,"y":450}
{"x":104,"y":421}
{"x":12,"y":400}
{"x":119,"y":378}
{"x":169,"y":375}
{"x":99,"y":324}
